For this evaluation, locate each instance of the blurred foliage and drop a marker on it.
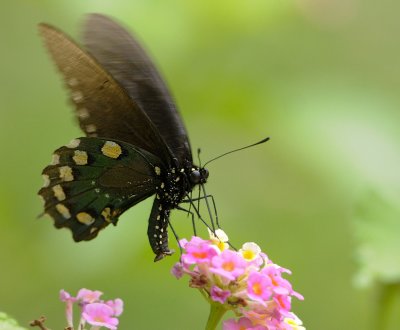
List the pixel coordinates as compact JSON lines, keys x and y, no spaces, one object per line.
{"x":7,"y":323}
{"x":377,"y":228}
{"x":320,"y":77}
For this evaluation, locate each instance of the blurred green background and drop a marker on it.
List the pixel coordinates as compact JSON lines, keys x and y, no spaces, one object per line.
{"x":320,"y":77}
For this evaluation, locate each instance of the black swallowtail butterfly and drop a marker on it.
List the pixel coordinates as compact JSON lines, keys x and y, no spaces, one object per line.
{"x":136,"y":144}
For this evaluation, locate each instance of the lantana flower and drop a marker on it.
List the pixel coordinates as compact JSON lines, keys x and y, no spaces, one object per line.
{"x":101,"y":315}
{"x":95,"y":312}
{"x":245,"y":281}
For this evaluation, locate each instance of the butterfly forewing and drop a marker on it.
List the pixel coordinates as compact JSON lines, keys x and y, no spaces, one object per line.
{"x":103,"y":107}
{"x":92,"y":181}
{"x":123,"y":57}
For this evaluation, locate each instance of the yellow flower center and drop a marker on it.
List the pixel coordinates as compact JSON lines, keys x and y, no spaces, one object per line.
{"x":221,"y":245}
{"x":248,"y":255}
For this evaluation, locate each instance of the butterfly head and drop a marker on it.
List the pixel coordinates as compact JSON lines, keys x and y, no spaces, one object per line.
{"x":198,"y":175}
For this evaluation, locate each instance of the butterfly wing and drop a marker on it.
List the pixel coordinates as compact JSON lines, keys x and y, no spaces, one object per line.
{"x":103,"y":108}
{"x":123,"y":57}
{"x":92,"y":181}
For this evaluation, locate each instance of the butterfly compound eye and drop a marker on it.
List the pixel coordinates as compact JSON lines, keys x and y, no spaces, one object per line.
{"x":195,"y":177}
{"x":204,"y":173}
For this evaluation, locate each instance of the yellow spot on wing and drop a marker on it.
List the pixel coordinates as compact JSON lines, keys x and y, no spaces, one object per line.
{"x":63,"y":210}
{"x":80,"y":157}
{"x":66,"y":173}
{"x":85,"y":218}
{"x":59,"y":192}
{"x":106,"y":213}
{"x":111,"y":149}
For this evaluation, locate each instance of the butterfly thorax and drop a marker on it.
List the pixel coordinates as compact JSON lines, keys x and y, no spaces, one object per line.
{"x":177,"y":182}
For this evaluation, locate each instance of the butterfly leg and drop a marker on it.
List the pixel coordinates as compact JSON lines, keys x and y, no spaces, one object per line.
{"x":192,"y":215}
{"x":189,"y":200}
{"x":176,"y":235}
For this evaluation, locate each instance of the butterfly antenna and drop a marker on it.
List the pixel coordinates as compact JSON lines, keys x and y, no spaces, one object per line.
{"x":198,"y":156}
{"x":232,"y":151}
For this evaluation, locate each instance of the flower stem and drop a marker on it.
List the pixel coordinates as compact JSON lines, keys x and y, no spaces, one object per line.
{"x":217,"y":310}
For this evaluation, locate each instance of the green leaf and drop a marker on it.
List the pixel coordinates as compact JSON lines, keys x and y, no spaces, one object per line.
{"x":377,"y":227}
{"x":7,"y":323}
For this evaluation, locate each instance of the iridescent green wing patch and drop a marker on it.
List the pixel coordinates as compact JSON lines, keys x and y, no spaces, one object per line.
{"x":91,"y":181}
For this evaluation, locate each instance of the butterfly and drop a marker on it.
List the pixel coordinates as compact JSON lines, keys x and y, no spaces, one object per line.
{"x":136,"y":144}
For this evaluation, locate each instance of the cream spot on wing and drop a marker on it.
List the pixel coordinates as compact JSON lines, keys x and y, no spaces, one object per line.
{"x":83,"y":113}
{"x":157,"y":170}
{"x":77,"y":96}
{"x":72,"y":82}
{"x":46,"y":180}
{"x":92,"y":230}
{"x":55,"y":159}
{"x":90,"y":128}
{"x":63,"y":210}
{"x":66,"y":173}
{"x":80,"y":157}
{"x":106,"y":213}
{"x":111,"y":149}
{"x":59,"y":192}
{"x":85,"y":218}
{"x":73,"y":144}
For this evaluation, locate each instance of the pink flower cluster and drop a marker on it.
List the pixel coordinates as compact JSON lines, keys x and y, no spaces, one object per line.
{"x":95,"y":312}
{"x":243,"y":281}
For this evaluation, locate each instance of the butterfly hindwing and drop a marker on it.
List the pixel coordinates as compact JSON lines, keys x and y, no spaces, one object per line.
{"x":91,"y":181}
{"x":124,"y":58}
{"x":103,"y":107}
